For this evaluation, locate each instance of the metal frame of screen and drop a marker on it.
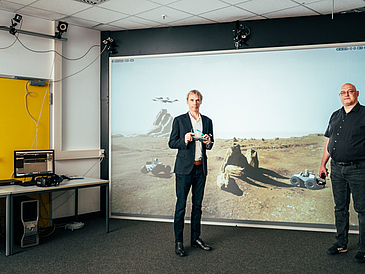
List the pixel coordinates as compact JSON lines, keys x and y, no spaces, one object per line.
{"x":223,"y":221}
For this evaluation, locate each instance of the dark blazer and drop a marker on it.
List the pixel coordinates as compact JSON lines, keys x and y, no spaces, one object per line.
{"x":186,"y":153}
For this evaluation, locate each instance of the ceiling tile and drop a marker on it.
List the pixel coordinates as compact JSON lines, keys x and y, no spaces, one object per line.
{"x":4,"y":5}
{"x":193,"y":20}
{"x":295,"y":11}
{"x":198,"y":7}
{"x":39,"y":13}
{"x":169,"y":13}
{"x":103,"y":27}
{"x":135,"y":23}
{"x":129,"y":7}
{"x":325,"y":6}
{"x":164,"y":2}
{"x":100,"y":15}
{"x":61,"y":6}
{"x":71,"y":20}
{"x":234,"y":2}
{"x":260,"y":7}
{"x":227,"y":14}
{"x":258,"y":17}
{"x":22,"y":2}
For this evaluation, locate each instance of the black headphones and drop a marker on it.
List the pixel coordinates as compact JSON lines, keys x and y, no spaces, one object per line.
{"x":53,"y":180}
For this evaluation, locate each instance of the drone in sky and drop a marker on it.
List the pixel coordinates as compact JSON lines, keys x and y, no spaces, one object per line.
{"x":164,"y":100}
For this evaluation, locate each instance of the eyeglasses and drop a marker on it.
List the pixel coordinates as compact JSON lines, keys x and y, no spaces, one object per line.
{"x":342,"y":93}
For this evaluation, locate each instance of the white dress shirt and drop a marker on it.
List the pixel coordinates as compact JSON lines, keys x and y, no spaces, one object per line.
{"x":197,"y":124}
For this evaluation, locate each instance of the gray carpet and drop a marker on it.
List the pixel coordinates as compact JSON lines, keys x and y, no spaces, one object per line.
{"x":148,"y":247}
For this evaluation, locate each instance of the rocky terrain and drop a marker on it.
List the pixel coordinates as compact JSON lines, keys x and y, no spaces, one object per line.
{"x":258,"y":186}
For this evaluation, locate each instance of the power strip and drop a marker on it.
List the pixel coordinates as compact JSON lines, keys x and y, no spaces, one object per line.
{"x":74,"y":225}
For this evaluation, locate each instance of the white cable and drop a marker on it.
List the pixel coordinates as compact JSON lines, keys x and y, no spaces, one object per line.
{"x":31,"y":94}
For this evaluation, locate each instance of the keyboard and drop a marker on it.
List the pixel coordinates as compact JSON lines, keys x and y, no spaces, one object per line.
{"x":9,"y":182}
{"x":28,"y":183}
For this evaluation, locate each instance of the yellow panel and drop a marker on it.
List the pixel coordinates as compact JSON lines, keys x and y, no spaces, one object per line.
{"x":18,"y":130}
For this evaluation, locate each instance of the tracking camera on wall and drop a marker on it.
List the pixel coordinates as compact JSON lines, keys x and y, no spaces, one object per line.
{"x":14,"y":22}
{"x":62,"y":27}
{"x":240,"y":34}
{"x":110,"y":45}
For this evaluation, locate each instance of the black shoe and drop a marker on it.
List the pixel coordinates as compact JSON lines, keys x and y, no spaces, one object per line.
{"x":360,"y":257}
{"x":179,"y":249}
{"x":199,"y":243}
{"x":336,"y":249}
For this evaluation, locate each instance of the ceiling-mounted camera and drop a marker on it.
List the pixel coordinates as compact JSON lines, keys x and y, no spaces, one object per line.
{"x":110,"y":45}
{"x":62,"y":27}
{"x":14,"y":22}
{"x":240,"y":34}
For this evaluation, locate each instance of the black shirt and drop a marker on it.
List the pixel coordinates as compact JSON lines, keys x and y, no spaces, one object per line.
{"x":346,"y":133}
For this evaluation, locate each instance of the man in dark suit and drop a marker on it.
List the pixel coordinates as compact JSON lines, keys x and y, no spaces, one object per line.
{"x":192,"y":135}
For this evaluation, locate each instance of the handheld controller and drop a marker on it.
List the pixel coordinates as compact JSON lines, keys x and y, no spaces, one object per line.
{"x":322,"y":180}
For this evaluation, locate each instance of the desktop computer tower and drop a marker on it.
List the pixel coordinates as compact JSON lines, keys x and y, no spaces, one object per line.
{"x":26,"y":215}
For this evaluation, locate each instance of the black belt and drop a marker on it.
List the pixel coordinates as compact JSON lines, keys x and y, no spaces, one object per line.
{"x":348,"y":163}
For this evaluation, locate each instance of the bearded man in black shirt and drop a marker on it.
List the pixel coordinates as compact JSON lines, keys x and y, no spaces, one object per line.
{"x":346,"y":146}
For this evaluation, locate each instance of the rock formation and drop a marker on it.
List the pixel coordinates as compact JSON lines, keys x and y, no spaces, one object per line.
{"x":234,"y":157}
{"x":252,"y":159}
{"x":162,"y":125}
{"x":235,"y":163}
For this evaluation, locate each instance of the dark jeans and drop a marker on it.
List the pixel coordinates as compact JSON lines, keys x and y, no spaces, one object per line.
{"x":196,"y":181}
{"x":346,"y":180}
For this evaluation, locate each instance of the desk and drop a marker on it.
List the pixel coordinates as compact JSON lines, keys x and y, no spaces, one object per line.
{"x":11,"y":191}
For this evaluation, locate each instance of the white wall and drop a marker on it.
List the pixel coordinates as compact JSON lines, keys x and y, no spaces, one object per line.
{"x":80,"y":96}
{"x":18,"y":61}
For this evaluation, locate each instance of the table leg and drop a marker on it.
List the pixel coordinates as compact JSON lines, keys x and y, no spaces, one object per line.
{"x":9,"y":239}
{"x":76,"y":205}
{"x":107,"y":207}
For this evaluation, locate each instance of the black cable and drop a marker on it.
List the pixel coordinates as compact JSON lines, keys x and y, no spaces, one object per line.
{"x":54,"y":209}
{"x":52,"y":50}
{"x":59,"y":80}
{"x":16,"y":37}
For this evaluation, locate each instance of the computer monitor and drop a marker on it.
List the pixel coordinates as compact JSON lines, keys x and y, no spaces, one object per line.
{"x":33,"y":163}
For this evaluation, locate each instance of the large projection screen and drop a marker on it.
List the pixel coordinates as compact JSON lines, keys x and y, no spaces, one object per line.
{"x":270,"y":105}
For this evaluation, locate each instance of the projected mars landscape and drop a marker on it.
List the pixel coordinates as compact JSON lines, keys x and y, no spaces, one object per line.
{"x":269,"y":109}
